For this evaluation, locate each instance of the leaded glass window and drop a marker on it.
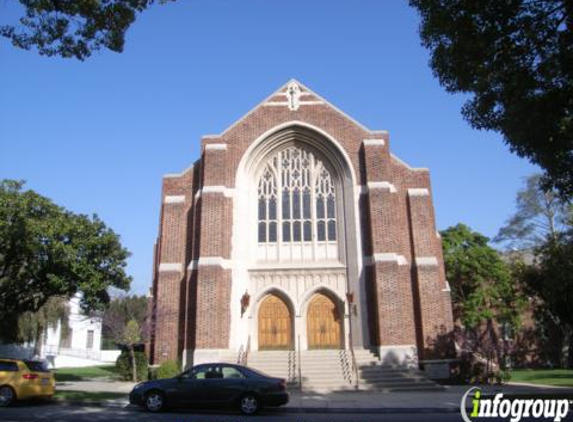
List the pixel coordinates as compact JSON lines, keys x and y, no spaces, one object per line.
{"x":296,"y":199}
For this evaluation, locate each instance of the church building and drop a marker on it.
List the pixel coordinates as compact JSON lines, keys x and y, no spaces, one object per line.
{"x":298,"y":229}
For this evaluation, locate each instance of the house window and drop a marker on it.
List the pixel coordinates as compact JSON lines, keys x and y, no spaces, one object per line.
{"x":296,"y":199}
{"x":90,"y":340}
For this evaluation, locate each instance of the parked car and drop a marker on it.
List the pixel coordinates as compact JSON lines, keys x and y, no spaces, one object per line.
{"x":212,"y":384}
{"x":25,"y":379}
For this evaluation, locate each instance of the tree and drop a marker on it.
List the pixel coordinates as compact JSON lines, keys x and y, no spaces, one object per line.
{"x":131,"y":338}
{"x":483,"y":293}
{"x":74,"y":28}
{"x":543,"y":224}
{"x":124,"y":322}
{"x":32,"y":325}
{"x":550,"y":283}
{"x":541,"y":214}
{"x":119,"y":312}
{"x":515,"y":58}
{"x":47,"y":251}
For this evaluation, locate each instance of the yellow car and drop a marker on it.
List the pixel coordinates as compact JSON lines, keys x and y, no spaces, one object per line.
{"x":24,"y":379}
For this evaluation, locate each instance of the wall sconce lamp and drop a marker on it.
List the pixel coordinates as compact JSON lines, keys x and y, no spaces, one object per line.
{"x":245,"y":300}
{"x":351,"y":305}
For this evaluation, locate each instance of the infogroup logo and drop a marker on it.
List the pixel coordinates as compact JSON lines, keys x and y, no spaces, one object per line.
{"x":516,"y":409}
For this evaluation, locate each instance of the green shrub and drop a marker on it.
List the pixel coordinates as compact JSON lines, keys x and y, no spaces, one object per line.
{"x":123,"y":366}
{"x":168,"y":369}
{"x":503,"y":377}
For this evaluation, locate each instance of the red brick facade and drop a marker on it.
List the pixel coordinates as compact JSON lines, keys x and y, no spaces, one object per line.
{"x":407,"y":301}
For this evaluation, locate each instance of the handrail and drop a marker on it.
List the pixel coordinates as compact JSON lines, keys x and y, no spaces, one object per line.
{"x":350,"y":342}
{"x":246,"y":352}
{"x":354,"y":364}
{"x":299,"y":365}
{"x":240,"y":355}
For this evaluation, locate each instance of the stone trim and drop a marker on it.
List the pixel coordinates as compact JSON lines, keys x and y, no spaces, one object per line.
{"x":374,"y":142}
{"x":288,"y":266}
{"x":402,"y":355}
{"x":170,"y":267}
{"x":447,"y":288}
{"x":388,"y":257}
{"x":215,"y":147}
{"x":228,"y":192}
{"x":385,"y":257}
{"x":177,"y":175}
{"x":427,"y":261}
{"x":382,"y":185}
{"x":174,"y":199}
{"x":418,"y":192}
{"x":407,"y":165}
{"x":210,"y":261}
{"x":286,"y":104}
{"x":302,"y":94}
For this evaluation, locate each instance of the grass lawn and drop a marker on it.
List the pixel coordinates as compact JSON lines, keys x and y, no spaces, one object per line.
{"x":87,"y":396}
{"x":82,"y":374}
{"x":559,"y":377}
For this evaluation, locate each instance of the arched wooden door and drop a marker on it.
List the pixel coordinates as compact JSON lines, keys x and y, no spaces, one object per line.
{"x":275,"y":324}
{"x":323,"y":323}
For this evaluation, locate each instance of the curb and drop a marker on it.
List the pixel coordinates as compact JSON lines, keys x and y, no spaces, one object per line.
{"x":540,"y":386}
{"x":92,"y":403}
{"x":372,"y":410}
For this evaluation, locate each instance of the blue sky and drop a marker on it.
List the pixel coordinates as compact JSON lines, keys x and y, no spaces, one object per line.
{"x":97,"y":136}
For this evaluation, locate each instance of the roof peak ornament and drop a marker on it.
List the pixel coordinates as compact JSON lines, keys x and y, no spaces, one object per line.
{"x":293,"y":93}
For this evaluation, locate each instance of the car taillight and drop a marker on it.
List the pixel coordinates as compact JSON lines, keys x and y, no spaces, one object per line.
{"x":30,"y":376}
{"x":282,"y":385}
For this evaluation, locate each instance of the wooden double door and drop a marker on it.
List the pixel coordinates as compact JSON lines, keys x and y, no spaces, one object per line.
{"x":323,"y":323}
{"x":275,"y":324}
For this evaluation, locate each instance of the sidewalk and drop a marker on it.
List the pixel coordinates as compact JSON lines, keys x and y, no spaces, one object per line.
{"x":445,"y":401}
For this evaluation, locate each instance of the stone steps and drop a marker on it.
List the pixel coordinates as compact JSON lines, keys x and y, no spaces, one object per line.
{"x":331,"y":370}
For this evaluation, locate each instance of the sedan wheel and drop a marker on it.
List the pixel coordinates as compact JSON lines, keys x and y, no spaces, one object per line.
{"x":6,"y":396}
{"x":154,"y":401}
{"x":249,"y":404}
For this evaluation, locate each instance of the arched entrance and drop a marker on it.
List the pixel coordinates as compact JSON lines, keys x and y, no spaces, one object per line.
{"x":275,"y":324}
{"x":323,"y":323}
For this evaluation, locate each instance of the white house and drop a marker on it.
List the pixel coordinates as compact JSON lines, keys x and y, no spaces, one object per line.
{"x":80,"y":345}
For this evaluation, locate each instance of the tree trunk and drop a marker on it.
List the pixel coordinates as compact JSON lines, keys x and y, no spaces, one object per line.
{"x":133,"y":363}
{"x":38,"y":341}
{"x":566,"y":347}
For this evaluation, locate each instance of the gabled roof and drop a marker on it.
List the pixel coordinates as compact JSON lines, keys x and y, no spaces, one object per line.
{"x":303,"y":91}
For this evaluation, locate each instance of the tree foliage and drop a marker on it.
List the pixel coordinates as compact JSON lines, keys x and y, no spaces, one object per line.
{"x":515,"y":58}
{"x":32,"y":325}
{"x":125,"y":368}
{"x":550,"y":284}
{"x":541,"y":215}
{"x":74,"y":28}
{"x":120,"y":311}
{"x":485,"y":300}
{"x":481,"y":282}
{"x":47,"y":251}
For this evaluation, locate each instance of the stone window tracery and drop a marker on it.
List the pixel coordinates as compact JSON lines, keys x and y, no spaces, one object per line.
{"x":296,"y":199}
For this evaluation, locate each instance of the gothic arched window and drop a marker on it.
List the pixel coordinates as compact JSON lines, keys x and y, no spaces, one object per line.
{"x":296,"y":200}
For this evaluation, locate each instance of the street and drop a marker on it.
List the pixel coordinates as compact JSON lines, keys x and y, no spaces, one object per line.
{"x":61,"y":413}
{"x":66,"y":413}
